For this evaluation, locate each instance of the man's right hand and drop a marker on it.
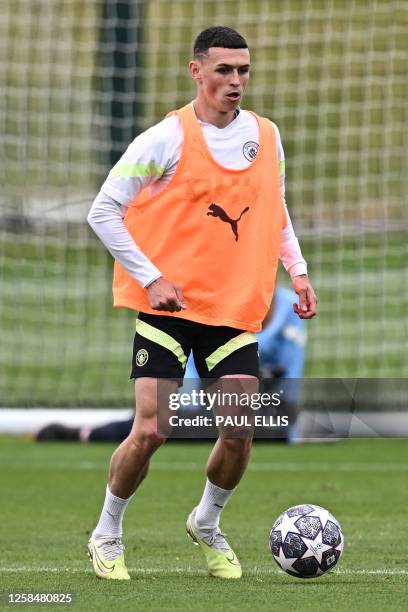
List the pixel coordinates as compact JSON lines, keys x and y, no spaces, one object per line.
{"x":163,"y":295}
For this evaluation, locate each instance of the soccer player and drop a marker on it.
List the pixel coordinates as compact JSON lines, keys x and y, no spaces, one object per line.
{"x":195,"y":217}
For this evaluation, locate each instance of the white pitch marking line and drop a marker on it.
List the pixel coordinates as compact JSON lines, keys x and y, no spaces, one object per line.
{"x":189,"y":570}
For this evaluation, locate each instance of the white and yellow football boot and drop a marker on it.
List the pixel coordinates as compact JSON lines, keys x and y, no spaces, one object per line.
{"x":222,"y":562}
{"x":108,"y":559}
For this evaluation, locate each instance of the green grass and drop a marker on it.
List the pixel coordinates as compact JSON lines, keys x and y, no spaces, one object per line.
{"x":51,"y":496}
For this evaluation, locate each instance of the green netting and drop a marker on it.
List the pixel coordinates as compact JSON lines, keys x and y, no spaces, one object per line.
{"x":332,"y":75}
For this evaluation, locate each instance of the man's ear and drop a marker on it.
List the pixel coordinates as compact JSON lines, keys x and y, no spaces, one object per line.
{"x":195,"y":70}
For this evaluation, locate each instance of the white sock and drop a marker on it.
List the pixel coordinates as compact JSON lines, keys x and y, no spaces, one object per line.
{"x":110,"y":521}
{"x":210,"y":507}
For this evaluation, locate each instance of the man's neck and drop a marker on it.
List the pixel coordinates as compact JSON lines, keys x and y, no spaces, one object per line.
{"x":212,"y":116}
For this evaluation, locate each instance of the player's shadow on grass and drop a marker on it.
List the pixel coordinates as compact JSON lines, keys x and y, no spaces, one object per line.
{"x":325,"y":582}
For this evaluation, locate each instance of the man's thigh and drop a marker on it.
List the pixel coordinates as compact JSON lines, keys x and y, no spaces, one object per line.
{"x":228,"y":362}
{"x":152,"y":406}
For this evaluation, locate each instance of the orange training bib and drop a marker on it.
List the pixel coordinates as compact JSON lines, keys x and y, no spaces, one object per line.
{"x":213,"y":231}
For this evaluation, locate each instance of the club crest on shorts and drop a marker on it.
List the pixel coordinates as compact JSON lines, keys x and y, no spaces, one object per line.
{"x":250,"y":149}
{"x":142,"y":357}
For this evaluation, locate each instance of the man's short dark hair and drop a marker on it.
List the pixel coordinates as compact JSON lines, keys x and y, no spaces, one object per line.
{"x":218,"y":36}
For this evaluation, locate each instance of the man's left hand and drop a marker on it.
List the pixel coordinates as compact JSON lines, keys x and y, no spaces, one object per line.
{"x":307,"y":298}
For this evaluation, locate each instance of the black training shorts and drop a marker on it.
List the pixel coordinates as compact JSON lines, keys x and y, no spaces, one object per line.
{"x":162,"y":346}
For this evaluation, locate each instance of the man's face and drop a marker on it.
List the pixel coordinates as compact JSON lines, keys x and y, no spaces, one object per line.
{"x":222,"y":76}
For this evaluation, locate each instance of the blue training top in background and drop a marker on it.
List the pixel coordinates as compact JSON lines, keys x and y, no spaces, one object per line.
{"x":282,"y":342}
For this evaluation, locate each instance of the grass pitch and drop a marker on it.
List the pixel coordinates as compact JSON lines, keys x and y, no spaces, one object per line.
{"x":51,"y":496}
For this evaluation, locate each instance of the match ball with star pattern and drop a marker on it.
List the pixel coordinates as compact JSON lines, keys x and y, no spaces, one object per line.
{"x":306,"y":541}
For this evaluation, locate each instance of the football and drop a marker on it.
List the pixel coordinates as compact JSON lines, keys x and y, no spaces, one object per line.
{"x":306,"y":541}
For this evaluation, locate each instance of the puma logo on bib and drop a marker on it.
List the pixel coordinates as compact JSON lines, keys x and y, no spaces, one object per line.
{"x":217,"y":211}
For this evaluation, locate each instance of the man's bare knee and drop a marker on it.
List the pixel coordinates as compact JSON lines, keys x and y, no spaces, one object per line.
{"x":145,"y":435}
